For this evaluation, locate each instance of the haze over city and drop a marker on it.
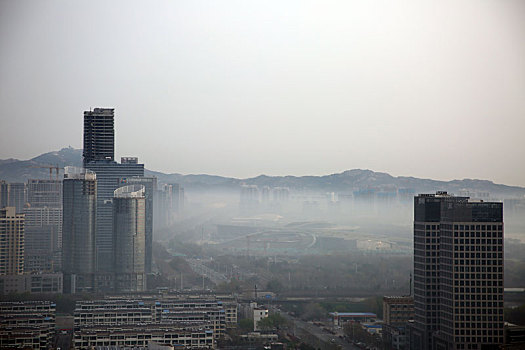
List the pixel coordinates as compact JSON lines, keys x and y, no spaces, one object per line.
{"x":235,"y":88}
{"x":262,"y":175}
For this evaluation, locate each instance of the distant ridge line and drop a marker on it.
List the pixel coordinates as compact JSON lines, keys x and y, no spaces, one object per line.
{"x":14,"y":170}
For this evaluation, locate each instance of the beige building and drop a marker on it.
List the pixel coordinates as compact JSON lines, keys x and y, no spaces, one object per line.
{"x":258,"y":314}
{"x":27,"y":324}
{"x":398,"y":310}
{"x":11,"y":242}
{"x":185,"y":336}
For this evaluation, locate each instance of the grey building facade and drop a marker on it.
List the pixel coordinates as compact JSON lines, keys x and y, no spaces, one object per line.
{"x":4,"y":194}
{"x":43,"y":225}
{"x":17,"y":196}
{"x":108,"y":180}
{"x":43,"y":239}
{"x":129,"y":236}
{"x":458,"y":273}
{"x":78,"y":229}
{"x":44,"y":193}
{"x":99,"y":155}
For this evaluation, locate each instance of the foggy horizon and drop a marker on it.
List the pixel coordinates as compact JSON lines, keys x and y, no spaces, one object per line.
{"x":434,"y":90}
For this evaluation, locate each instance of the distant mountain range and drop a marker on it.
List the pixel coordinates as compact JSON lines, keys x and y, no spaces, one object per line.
{"x":14,"y":170}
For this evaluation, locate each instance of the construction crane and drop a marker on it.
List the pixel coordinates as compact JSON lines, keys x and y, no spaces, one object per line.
{"x":51,"y":168}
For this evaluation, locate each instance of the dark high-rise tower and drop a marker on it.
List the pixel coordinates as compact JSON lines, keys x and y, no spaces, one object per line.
{"x":99,"y":135}
{"x":458,"y":273}
{"x":80,"y":204}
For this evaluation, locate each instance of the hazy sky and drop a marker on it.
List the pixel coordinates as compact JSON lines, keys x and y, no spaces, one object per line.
{"x":432,"y":89}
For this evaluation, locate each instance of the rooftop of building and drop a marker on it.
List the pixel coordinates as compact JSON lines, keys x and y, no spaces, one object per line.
{"x":398,"y":298}
{"x":130,"y":191}
{"x":79,"y":173}
{"x":10,"y":213}
{"x":100,"y":111}
{"x":353,"y":314}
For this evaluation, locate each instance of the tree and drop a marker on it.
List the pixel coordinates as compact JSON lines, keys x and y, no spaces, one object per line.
{"x":234,"y":286}
{"x":273,"y":321}
{"x":246,"y":325}
{"x":274,"y":286}
{"x":313,"y":311}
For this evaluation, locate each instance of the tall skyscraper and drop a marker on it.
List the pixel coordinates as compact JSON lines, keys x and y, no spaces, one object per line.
{"x":129,"y":235}
{"x":43,"y":226}
{"x":108,"y":180}
{"x":150,"y":186}
{"x":99,"y":154}
{"x":458,"y":273}
{"x":169,"y":204}
{"x":11,"y":242}
{"x":43,"y":238}
{"x":80,"y":206}
{"x":99,"y":135}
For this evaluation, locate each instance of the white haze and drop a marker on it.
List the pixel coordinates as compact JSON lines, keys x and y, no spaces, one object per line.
{"x":432,"y":89}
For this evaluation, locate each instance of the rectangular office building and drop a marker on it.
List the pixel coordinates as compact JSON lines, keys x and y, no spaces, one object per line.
{"x":458,"y":273}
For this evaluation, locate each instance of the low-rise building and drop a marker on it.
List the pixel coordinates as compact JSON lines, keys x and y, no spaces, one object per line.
{"x":397,"y":312}
{"x":258,"y":314}
{"x":32,"y":283}
{"x":140,"y":335}
{"x":257,"y":338}
{"x":207,"y":313}
{"x":28,"y":324}
{"x":340,"y":318}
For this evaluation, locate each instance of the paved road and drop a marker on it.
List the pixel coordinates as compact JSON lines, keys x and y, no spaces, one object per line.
{"x":198,"y":267}
{"x":319,"y":333}
{"x":63,"y":341}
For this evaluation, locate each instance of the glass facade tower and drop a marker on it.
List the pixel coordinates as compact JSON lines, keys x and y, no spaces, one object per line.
{"x":78,"y":229}
{"x":129,"y":235}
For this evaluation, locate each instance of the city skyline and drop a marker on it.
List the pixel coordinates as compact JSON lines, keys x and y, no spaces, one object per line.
{"x":278,"y":89}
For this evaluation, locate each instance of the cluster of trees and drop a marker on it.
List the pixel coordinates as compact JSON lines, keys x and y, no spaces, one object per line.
{"x":274,"y":321}
{"x":324,"y":275}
